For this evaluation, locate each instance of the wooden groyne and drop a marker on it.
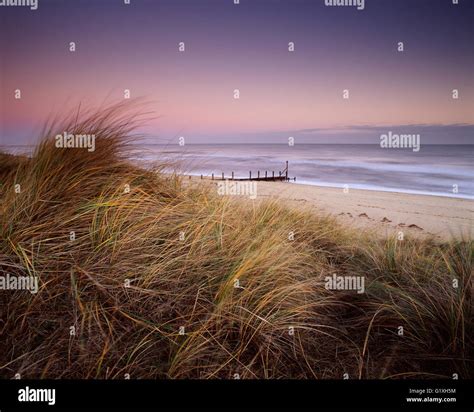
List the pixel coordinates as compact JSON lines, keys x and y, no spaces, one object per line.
{"x":265,"y":176}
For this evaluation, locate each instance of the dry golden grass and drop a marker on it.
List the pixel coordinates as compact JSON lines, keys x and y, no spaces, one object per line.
{"x":136,"y":237}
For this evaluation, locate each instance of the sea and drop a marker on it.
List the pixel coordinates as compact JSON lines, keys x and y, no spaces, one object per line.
{"x":437,"y":170}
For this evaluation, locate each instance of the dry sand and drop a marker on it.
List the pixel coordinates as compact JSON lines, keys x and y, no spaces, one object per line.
{"x":387,"y":213}
{"x":384,"y":212}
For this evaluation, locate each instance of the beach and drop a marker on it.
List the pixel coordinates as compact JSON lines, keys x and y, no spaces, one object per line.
{"x":263,"y":279}
{"x":384,"y":213}
{"x":205,"y":190}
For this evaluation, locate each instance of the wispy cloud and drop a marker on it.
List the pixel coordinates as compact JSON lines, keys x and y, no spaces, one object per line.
{"x":456,"y":133}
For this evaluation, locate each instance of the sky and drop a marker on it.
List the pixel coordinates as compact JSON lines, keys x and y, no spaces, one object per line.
{"x":245,"y":46}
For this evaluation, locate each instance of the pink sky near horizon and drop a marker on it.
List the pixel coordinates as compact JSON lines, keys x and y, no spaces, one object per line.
{"x":204,"y":102}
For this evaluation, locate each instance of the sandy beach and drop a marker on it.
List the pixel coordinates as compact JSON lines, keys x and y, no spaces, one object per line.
{"x":385,"y":213}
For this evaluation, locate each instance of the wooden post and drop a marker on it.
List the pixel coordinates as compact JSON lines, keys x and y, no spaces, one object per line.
{"x":232,"y":175}
{"x":222,"y":175}
{"x":286,"y":176}
{"x":273,"y":175}
{"x":213,"y":176}
{"x":250,"y":175}
{"x":201,"y":177}
{"x":265,"y":174}
{"x":258,"y":175}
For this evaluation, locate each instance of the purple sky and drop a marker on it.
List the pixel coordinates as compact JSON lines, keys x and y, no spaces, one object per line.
{"x":245,"y":47}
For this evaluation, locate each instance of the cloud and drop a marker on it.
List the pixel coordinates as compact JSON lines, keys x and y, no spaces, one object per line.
{"x":456,"y":133}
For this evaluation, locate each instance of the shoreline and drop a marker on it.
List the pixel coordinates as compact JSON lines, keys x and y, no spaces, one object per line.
{"x":330,"y":186}
{"x":340,"y":187}
{"x":379,"y":189}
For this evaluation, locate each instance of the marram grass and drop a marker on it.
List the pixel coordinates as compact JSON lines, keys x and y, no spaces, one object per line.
{"x":169,"y":280}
